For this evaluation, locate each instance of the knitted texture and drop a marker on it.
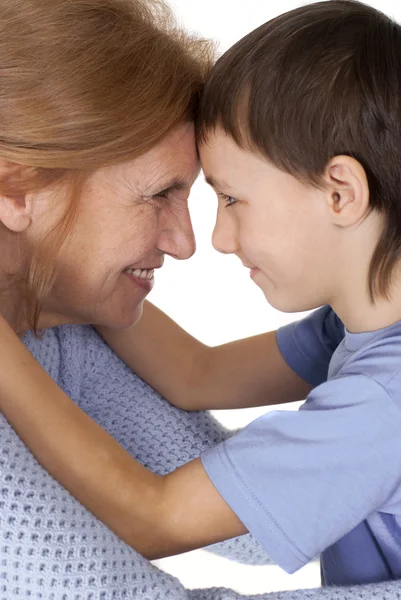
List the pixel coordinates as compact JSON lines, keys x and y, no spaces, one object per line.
{"x":377,"y":591}
{"x":51,"y":547}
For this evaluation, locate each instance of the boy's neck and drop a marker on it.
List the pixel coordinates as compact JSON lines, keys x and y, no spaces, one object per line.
{"x":359,"y":314}
{"x":348,"y":273}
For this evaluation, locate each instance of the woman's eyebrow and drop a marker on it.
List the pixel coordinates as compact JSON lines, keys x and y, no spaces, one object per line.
{"x":177,"y":184}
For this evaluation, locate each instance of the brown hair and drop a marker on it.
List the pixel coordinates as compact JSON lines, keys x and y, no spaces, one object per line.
{"x":85,"y":84}
{"x":319,"y":81}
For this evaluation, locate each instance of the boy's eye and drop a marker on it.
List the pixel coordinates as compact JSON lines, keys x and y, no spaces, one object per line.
{"x":229,"y":200}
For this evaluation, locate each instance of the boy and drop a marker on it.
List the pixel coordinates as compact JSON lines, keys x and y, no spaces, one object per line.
{"x":300,"y":136}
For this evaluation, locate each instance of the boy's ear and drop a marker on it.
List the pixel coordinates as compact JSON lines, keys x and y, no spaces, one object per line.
{"x":347,"y":190}
{"x":15,"y":207}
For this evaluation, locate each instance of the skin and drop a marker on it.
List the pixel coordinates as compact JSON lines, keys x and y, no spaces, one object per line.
{"x":262,"y":227}
{"x":126,"y":217}
{"x":286,"y":232}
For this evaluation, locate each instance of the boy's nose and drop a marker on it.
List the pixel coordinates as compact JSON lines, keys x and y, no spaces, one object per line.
{"x":224,"y":238}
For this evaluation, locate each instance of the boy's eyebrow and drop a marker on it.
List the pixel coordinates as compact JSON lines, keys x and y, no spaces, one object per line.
{"x":217,"y":183}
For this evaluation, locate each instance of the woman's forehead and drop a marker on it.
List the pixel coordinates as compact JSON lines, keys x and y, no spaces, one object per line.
{"x":172,"y":164}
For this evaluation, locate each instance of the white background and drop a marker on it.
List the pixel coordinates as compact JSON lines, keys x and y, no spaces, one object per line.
{"x":212,"y":297}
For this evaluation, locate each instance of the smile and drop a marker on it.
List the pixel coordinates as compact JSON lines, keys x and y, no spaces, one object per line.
{"x":141,"y":273}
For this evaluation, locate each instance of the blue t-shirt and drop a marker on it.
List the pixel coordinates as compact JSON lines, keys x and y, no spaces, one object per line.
{"x":325,"y":479}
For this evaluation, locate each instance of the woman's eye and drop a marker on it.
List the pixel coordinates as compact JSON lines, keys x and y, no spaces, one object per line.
{"x":162,"y":194}
{"x":158,"y":200}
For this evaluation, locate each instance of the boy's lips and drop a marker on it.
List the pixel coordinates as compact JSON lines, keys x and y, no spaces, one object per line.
{"x":245,"y":264}
{"x":253,"y":270}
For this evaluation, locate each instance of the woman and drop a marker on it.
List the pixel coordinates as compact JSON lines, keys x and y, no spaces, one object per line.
{"x":97,"y":159}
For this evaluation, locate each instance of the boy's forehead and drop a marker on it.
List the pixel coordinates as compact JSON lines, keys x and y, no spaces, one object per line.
{"x":219,"y":148}
{"x":229,"y":168}
{"x":218,"y":154}
{"x":219,"y":144}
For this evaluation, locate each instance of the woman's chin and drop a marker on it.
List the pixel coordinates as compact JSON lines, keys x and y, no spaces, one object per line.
{"x":122,"y":320}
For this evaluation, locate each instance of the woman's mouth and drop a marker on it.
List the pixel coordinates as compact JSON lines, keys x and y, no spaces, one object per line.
{"x":144,"y":278}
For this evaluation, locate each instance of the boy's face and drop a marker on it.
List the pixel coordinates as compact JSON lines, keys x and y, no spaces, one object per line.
{"x":277,"y":226}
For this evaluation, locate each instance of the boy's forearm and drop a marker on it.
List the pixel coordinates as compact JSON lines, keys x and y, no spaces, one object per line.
{"x":252,"y":372}
{"x":164,"y":355}
{"x":193,"y":376}
{"x":157,"y":515}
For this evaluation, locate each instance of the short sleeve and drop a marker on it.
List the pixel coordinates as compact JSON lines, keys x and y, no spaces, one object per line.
{"x":301,"y":480}
{"x":308,"y":345}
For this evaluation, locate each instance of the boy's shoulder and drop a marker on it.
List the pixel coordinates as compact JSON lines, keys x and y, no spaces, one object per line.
{"x":374,"y":354}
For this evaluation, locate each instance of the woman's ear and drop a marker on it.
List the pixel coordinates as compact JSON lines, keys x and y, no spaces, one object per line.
{"x":347,"y":191}
{"x":15,"y":207}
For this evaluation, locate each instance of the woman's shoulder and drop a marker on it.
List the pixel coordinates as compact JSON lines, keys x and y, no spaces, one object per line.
{"x":64,"y":352}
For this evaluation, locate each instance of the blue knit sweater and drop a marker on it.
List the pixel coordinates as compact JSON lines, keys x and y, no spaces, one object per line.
{"x":54,"y":549}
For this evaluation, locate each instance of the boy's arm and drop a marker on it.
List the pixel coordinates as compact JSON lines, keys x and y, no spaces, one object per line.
{"x":193,"y":376}
{"x":154,"y":514}
{"x":263,"y":472}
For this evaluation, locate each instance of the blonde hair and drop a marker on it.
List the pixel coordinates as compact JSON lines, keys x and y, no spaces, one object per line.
{"x":86,"y":84}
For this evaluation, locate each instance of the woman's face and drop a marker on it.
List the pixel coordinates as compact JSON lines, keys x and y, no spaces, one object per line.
{"x":129,"y":217}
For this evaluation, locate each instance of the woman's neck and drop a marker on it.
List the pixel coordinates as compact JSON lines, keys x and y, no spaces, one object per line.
{"x":11,"y":308}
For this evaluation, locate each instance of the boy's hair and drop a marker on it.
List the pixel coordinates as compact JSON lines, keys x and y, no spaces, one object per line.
{"x":317,"y":82}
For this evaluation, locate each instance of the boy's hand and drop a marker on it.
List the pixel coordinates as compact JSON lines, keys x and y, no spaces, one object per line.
{"x":158,"y":516}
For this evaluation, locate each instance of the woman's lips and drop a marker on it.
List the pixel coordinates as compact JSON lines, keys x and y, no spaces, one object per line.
{"x":143,"y":282}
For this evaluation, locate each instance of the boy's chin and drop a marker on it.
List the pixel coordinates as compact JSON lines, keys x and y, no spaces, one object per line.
{"x":288,"y":303}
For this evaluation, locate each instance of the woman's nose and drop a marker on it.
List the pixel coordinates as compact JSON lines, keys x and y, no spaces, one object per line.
{"x":177,"y":236}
